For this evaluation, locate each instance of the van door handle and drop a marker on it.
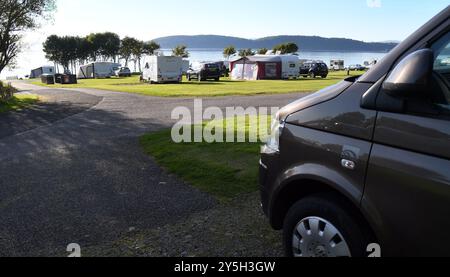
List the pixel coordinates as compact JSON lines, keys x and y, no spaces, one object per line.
{"x":351,"y":165}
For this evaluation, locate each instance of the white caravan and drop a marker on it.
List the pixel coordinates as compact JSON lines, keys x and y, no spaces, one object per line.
{"x":290,"y":66}
{"x":98,"y":70}
{"x":163,"y":69}
{"x":36,"y":73}
{"x":337,"y":65}
{"x":186,"y":66}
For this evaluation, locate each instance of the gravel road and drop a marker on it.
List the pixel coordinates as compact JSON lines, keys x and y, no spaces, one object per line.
{"x":72,"y":171}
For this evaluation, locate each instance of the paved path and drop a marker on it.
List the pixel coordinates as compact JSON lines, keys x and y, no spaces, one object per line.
{"x":72,"y":170}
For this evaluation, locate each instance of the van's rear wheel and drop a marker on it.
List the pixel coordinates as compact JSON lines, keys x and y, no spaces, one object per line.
{"x":323,"y":227}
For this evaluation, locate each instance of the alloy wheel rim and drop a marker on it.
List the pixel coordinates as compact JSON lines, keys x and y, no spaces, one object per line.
{"x":317,"y":237}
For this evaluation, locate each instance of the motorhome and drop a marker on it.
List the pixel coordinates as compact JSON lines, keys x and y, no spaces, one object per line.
{"x":38,"y":72}
{"x":337,"y":65}
{"x":98,"y":70}
{"x":163,"y":69}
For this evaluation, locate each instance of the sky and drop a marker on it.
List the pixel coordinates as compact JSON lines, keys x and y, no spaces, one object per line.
{"x":367,"y":20}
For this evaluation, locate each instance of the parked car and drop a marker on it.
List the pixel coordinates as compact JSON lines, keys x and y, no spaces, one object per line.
{"x":123,"y":72}
{"x":356,"y":67}
{"x":314,"y":69}
{"x":224,"y":71}
{"x":366,"y":162}
{"x":204,"y":71}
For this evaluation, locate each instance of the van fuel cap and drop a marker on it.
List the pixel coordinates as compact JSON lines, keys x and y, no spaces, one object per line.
{"x":348,"y":164}
{"x":349,"y":155}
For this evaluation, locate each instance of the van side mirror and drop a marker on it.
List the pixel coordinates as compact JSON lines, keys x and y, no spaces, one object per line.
{"x":412,"y":75}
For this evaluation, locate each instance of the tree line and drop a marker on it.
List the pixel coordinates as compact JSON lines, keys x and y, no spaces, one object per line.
{"x":17,"y":17}
{"x":72,"y":51}
{"x":285,"y":48}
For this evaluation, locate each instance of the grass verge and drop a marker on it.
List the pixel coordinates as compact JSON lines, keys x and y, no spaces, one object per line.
{"x":224,"y":170}
{"x":224,"y":87}
{"x":18,"y":102}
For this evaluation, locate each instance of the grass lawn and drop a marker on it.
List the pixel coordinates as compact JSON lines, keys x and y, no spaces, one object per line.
{"x":18,"y":102}
{"x":196,"y":89}
{"x":224,"y":170}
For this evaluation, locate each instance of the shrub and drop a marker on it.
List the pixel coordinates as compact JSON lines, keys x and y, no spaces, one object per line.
{"x":6,"y":92}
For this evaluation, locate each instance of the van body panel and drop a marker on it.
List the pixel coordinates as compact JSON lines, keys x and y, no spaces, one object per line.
{"x":343,"y":115}
{"x":312,"y":155}
{"x":414,"y":133}
{"x":408,"y":195}
{"x":311,"y":100}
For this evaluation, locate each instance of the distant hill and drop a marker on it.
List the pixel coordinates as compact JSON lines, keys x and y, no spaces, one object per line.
{"x":306,"y":43}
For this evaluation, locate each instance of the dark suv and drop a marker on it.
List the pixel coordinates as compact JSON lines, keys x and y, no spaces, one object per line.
{"x":314,"y":69}
{"x":365,"y":165}
{"x":204,"y":71}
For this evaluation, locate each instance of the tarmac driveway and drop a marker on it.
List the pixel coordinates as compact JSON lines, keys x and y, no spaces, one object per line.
{"x":72,"y":170}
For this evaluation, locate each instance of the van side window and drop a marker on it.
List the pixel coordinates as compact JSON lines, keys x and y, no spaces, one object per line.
{"x":441,"y":71}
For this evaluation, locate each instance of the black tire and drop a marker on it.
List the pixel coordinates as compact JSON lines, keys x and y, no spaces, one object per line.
{"x":333,"y":210}
{"x":217,"y":79}
{"x":188,"y":77}
{"x":324,"y":76}
{"x":312,"y":75}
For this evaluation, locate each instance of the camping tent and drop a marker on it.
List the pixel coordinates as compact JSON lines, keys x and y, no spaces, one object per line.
{"x":256,"y":68}
{"x":97,"y":70}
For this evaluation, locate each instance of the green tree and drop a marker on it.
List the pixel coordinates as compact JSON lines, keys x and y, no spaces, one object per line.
{"x":83,"y":50}
{"x":151,"y":47}
{"x":103,"y":46}
{"x":62,"y":50}
{"x":180,"y":51}
{"x":263,"y":51}
{"x":111,"y":45}
{"x":229,"y":51}
{"x":126,"y":48}
{"x":246,"y":52}
{"x":286,"y":48}
{"x":52,"y":48}
{"x":16,"y":17}
{"x":94,"y":46}
{"x":137,"y":51}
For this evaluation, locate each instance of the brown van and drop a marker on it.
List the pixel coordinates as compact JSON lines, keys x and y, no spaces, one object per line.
{"x":363,"y":168}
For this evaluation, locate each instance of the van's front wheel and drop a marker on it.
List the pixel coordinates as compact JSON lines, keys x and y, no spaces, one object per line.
{"x":321,"y":227}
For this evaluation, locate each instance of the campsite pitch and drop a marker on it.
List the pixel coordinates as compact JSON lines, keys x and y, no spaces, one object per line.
{"x":225,"y":87}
